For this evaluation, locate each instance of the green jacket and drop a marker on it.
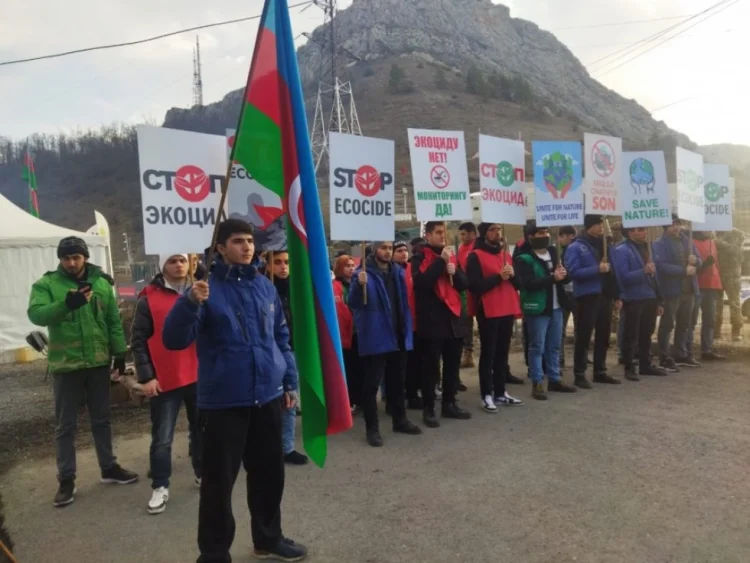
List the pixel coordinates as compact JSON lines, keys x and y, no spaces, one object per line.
{"x":85,"y":338}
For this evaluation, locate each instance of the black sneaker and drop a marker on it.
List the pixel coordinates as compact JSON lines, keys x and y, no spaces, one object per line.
{"x":406,"y":427}
{"x":415,"y":404}
{"x":285,"y":550}
{"x":65,"y":493}
{"x":560,"y":386}
{"x":295,"y":458}
{"x":687,"y":361}
{"x":452,"y":410}
{"x":653,"y":370}
{"x":429,"y":418}
{"x":604,"y":378}
{"x":117,"y":474}
{"x":631,"y":374}
{"x":712,"y":356}
{"x":513,"y":380}
{"x":669,"y":365}
{"x":582,"y":383}
{"x":461,"y":387}
{"x":374,"y":438}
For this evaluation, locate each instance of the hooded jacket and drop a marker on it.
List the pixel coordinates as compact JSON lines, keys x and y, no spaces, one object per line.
{"x":87,"y":337}
{"x":173,"y":369}
{"x":582,"y":259}
{"x":634,"y":284}
{"x":242,"y":338}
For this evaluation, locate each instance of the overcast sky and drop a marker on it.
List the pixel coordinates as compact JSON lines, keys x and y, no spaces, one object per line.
{"x":706,"y":65}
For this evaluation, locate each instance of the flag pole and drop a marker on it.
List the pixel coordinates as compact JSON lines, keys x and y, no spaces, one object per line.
{"x":606,"y":228}
{"x":364,"y":269}
{"x":269,"y":263}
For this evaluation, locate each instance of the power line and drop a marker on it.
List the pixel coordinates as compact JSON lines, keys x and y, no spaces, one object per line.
{"x":668,"y":39}
{"x":613,"y":24}
{"x":672,"y":104}
{"x":140,"y":41}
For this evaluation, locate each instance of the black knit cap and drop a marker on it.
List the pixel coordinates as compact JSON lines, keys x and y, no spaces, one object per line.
{"x":591,"y":220}
{"x":400,"y":244}
{"x":72,"y":245}
{"x":483,"y":228}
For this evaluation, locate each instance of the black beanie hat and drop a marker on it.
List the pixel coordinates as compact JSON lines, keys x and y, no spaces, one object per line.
{"x":591,"y":220}
{"x":483,"y":228}
{"x":72,"y":245}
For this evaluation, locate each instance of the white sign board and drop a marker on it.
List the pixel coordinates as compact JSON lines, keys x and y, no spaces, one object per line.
{"x":558,"y":183}
{"x":644,"y":193}
{"x":256,"y":204}
{"x":502,"y":179}
{"x":603,"y":156}
{"x":181,"y":176}
{"x":361,"y":187}
{"x":719,"y":194}
{"x":440,"y":175}
{"x":690,"y":199}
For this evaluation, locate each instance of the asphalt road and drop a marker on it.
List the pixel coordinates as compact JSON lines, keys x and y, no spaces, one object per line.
{"x":655,"y":471}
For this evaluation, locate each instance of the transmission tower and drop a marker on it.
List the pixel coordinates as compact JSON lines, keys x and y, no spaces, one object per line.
{"x":197,"y":79}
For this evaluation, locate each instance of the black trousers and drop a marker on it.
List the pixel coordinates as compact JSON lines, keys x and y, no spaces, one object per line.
{"x":566,"y":317}
{"x":640,"y":322}
{"x":392,"y":366}
{"x":432,"y":350}
{"x":494,"y":336}
{"x":413,"y":366}
{"x":251,"y":436}
{"x":354,"y":375}
{"x":594,"y":314}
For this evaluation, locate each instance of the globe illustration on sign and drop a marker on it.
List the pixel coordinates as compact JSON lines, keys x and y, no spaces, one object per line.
{"x":642,"y":175}
{"x":558,"y":173}
{"x":713,"y":192}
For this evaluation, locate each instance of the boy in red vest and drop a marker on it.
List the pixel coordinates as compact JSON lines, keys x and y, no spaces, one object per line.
{"x":168,"y":377}
{"x":494,"y":291}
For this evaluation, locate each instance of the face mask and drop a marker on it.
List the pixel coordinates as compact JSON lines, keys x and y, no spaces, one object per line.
{"x":540,"y":243}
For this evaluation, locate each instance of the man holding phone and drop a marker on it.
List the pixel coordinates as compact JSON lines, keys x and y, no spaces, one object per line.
{"x":86,"y":344}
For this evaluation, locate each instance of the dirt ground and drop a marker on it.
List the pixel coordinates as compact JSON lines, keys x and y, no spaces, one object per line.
{"x":644,"y":472}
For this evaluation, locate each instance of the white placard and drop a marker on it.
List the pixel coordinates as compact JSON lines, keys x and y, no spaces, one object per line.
{"x":602,"y":157}
{"x":181,"y":176}
{"x":558,"y":180}
{"x":502,"y":179}
{"x":361,"y":187}
{"x":718,"y":189}
{"x":690,"y":199}
{"x":440,"y":175}
{"x":644,"y":193}
{"x":256,"y":204}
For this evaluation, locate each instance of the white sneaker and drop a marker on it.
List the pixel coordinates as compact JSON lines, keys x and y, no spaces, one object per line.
{"x":488,"y":405}
{"x":198,"y":482}
{"x":158,"y":502}
{"x":438,"y":392}
{"x":508,"y":401}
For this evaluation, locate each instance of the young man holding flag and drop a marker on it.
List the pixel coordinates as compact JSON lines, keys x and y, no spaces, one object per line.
{"x":247,"y":376}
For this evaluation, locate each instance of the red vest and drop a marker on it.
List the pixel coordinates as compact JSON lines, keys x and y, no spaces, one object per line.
{"x":410,"y":296}
{"x":174,"y":369}
{"x":344,"y":314}
{"x":502,"y":300}
{"x":709,"y":278}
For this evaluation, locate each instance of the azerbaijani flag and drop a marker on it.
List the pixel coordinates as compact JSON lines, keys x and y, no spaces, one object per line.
{"x":272,"y":144}
{"x":29,"y":176}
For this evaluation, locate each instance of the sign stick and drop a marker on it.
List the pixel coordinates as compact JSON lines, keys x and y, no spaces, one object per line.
{"x":191,"y":271}
{"x":606,"y":228}
{"x":364,"y":269}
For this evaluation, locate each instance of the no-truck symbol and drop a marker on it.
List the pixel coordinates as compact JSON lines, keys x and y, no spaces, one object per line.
{"x":440,"y":177}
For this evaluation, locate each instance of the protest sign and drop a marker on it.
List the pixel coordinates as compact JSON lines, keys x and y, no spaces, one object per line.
{"x":181,"y":177}
{"x":256,"y":204}
{"x":644,"y":196}
{"x":690,"y":199}
{"x":603,"y":156}
{"x":502,"y":179}
{"x":440,"y":175}
{"x":361,"y":187}
{"x":558,"y":183}
{"x":719,"y":196}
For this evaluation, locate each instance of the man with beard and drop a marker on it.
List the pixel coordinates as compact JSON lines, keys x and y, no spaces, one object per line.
{"x":467,"y":233}
{"x":437,"y":283}
{"x":86,"y":343}
{"x":595,"y":288}
{"x":493,"y":288}
{"x":642,"y":301}
{"x":384,"y":333}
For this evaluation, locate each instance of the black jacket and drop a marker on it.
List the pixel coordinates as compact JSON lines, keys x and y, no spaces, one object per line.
{"x":527,"y":279}
{"x":479,"y":284}
{"x":141,"y":330}
{"x":434,"y":319}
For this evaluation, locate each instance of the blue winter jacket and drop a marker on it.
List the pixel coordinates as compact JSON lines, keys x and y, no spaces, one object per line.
{"x":634,"y":284}
{"x":582,"y":264}
{"x":244,"y":358}
{"x":669,"y":270}
{"x":373,"y":321}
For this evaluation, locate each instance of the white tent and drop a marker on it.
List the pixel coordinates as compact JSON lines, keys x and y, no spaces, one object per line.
{"x":28,"y":249}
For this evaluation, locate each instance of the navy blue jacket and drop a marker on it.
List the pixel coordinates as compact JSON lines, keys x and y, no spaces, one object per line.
{"x":669,"y":270}
{"x":634,"y":284}
{"x":582,"y":263}
{"x":373,"y":321}
{"x":244,"y":357}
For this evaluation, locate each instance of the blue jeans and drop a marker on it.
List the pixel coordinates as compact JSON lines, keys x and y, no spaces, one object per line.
{"x":678,"y":315}
{"x":705,"y":303}
{"x":164,"y":410}
{"x":544,"y":335}
{"x":288,"y":417}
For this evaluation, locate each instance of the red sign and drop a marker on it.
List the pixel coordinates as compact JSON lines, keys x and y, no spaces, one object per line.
{"x":192,"y":184}
{"x":367,"y":180}
{"x":440,"y":177}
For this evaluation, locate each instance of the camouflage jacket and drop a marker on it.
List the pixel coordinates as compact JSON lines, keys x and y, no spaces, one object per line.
{"x":730,"y":254}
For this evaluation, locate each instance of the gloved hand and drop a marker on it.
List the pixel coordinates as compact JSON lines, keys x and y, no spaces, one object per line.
{"x":118,"y":364}
{"x":75,"y":300}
